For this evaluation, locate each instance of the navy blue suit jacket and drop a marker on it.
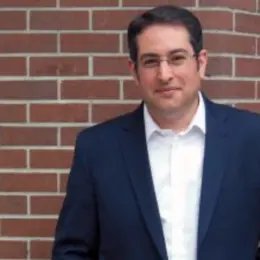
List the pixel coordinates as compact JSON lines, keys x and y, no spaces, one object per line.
{"x":110,"y":207}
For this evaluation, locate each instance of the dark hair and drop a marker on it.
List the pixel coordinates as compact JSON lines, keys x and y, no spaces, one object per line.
{"x":166,"y":14}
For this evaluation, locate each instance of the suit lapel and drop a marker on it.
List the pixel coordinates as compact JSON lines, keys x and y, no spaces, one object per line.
{"x":133,"y":144}
{"x":134,"y":149}
{"x":215,"y":160}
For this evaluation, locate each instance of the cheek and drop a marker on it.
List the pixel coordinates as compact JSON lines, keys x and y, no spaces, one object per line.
{"x":147,"y":82}
{"x":190,"y":79}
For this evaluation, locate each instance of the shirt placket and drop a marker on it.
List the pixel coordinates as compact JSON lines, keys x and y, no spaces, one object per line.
{"x":178,"y":196}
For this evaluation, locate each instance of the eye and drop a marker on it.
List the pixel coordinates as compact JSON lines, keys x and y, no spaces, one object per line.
{"x":150,"y":62}
{"x":177,"y":59}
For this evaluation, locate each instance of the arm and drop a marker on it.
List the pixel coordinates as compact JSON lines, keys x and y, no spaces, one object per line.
{"x":76,"y":236}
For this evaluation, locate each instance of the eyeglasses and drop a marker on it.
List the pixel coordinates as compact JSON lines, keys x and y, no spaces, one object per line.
{"x":173,"y":60}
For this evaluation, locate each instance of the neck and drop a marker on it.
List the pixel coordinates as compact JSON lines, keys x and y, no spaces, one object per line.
{"x":175,"y":120}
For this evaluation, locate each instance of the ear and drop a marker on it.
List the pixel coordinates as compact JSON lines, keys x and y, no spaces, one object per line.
{"x":133,"y":71}
{"x":203,"y":62}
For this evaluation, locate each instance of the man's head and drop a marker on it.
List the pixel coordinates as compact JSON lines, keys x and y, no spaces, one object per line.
{"x":167,"y":58}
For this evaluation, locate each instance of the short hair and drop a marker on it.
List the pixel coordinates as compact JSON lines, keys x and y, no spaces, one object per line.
{"x":165,"y":14}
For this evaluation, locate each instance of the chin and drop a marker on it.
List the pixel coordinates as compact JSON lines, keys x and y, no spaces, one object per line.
{"x":164,"y":107}
{"x":170,"y":106}
{"x":168,"y":110}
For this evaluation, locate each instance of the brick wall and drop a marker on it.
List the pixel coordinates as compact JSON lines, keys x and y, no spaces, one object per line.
{"x":63,"y":67}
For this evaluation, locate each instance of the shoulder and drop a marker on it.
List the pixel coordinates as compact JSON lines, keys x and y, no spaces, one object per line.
{"x":242,"y":123}
{"x":241,"y":117}
{"x":105,"y":132}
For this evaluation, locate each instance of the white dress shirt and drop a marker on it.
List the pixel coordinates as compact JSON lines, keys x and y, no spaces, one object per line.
{"x":176,"y":166}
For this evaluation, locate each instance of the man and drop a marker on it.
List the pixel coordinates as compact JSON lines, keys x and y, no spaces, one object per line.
{"x":177,"y":179}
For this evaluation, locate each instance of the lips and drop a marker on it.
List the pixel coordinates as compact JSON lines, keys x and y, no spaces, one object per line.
{"x":161,"y":90}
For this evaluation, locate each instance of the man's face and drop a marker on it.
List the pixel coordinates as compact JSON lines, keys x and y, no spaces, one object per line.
{"x":168,"y":87}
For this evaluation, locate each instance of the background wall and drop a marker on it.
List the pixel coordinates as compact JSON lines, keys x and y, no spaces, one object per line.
{"x":63,"y":66}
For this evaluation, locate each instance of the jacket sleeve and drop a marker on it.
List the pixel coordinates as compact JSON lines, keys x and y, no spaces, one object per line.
{"x":76,"y":235}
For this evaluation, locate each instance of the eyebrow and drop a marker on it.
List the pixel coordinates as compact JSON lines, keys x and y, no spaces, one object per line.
{"x":154,"y":55}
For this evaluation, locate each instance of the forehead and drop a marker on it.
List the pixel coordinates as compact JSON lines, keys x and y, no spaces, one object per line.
{"x":161,"y":39}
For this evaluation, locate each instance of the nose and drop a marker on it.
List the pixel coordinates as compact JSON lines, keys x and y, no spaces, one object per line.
{"x":165,"y":73}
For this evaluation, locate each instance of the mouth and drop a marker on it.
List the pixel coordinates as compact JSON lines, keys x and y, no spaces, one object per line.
{"x":168,"y":89}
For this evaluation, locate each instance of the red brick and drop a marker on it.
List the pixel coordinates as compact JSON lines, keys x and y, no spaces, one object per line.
{"x":12,"y":158}
{"x":27,"y":3}
{"x":59,"y":20}
{"x":90,"y":89}
{"x":59,"y":66}
{"x":253,"y":107}
{"x":28,"y":89}
{"x":13,"y":205}
{"x":89,"y":3}
{"x":88,"y":42}
{"x":107,"y":66}
{"x":258,"y":89}
{"x":68,"y":135}
{"x":220,"y":66}
{"x":28,"y":43}
{"x":28,"y":136}
{"x":247,"y":67}
{"x":31,"y":182}
{"x":224,"y":20}
{"x":63,"y":182}
{"x":228,"y":43}
{"x":108,"y":19}
{"x":50,"y":159}
{"x":12,"y":66}
{"x":258,"y":46}
{"x":13,"y":249}
{"x":131,"y":91}
{"x":233,"y":4}
{"x":247,"y":23}
{"x":229,"y":89}
{"x":156,"y":2}
{"x":12,"y":113}
{"x":59,"y":112}
{"x":28,"y":227}
{"x":12,"y":20}
{"x":103,"y":112}
{"x":46,"y":204}
{"x":125,"y":44}
{"x":41,"y":249}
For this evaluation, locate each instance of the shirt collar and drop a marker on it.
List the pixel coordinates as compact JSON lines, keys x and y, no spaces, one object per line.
{"x":198,"y":121}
